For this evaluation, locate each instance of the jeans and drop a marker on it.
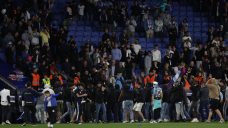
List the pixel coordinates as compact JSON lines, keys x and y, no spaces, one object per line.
{"x":204,"y":109}
{"x":225,"y":107}
{"x":148,"y":111}
{"x":128,"y":108}
{"x":194,"y":109}
{"x":165,"y":111}
{"x":40,"y":113}
{"x":68,"y":112}
{"x":100,"y":106}
{"x":179,"y":110}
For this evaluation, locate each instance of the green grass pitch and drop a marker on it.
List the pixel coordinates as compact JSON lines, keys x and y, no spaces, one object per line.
{"x":134,"y":125}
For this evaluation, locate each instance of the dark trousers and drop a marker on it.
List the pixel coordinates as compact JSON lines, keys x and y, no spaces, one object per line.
{"x":204,"y":110}
{"x":157,"y":113}
{"x":79,"y":111}
{"x":30,"y":109}
{"x":112,"y":112}
{"x":5,"y":113}
{"x":51,"y":114}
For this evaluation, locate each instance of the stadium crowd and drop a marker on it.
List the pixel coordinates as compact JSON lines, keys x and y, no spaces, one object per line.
{"x":116,"y":81}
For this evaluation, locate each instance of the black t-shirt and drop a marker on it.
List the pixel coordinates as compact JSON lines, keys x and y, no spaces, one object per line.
{"x":128,"y":93}
{"x":100,"y":96}
{"x":139,"y":96}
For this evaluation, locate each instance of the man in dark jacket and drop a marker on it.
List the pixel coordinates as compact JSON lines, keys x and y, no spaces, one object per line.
{"x":100,"y":102}
{"x":28,"y":103}
{"x":177,"y":97}
{"x":112,"y":103}
{"x":127,"y":96}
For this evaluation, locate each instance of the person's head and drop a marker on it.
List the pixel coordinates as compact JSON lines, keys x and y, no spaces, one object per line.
{"x":47,"y":93}
{"x":151,"y":73}
{"x":155,"y":83}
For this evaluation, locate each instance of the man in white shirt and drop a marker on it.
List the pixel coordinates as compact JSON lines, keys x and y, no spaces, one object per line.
{"x":131,"y":25}
{"x":158,"y":27}
{"x":187,"y":40}
{"x":5,"y":105}
{"x":137,"y":47}
{"x":156,"y":53}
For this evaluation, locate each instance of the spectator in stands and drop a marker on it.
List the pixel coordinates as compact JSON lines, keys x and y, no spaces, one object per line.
{"x":156,"y":54}
{"x":148,"y":62}
{"x":45,"y":36}
{"x":131,"y":25}
{"x":81,"y":11}
{"x":158,"y":27}
{"x":187,"y":40}
{"x":149,"y":27}
{"x":116,"y":53}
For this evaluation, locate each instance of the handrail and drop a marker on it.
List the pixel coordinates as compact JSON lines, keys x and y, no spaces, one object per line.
{"x":4,"y":80}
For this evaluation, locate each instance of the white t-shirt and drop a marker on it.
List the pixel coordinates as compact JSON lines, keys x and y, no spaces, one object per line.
{"x":4,"y":94}
{"x":137,"y":47}
{"x":156,"y":55}
{"x":81,"y":9}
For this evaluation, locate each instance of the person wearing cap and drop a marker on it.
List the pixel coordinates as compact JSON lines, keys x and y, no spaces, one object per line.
{"x":156,"y":99}
{"x":29,"y":96}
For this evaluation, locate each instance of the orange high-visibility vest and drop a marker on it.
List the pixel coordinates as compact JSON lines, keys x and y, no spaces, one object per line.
{"x":187,"y":84}
{"x":149,"y":79}
{"x":35,"y":80}
{"x":198,"y":79}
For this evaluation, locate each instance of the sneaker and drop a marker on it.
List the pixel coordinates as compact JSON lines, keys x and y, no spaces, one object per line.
{"x":24,"y":124}
{"x":153,"y":122}
{"x":222,"y":121}
{"x":144,"y":120}
{"x":208,"y":121}
{"x":166,"y":120}
{"x":132,"y":121}
{"x":8,"y":122}
{"x":49,"y":124}
{"x":160,"y":120}
{"x":195,"y":120}
{"x":125,"y":122}
{"x":58,"y":122}
{"x":80,"y":123}
{"x":3,"y":123}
